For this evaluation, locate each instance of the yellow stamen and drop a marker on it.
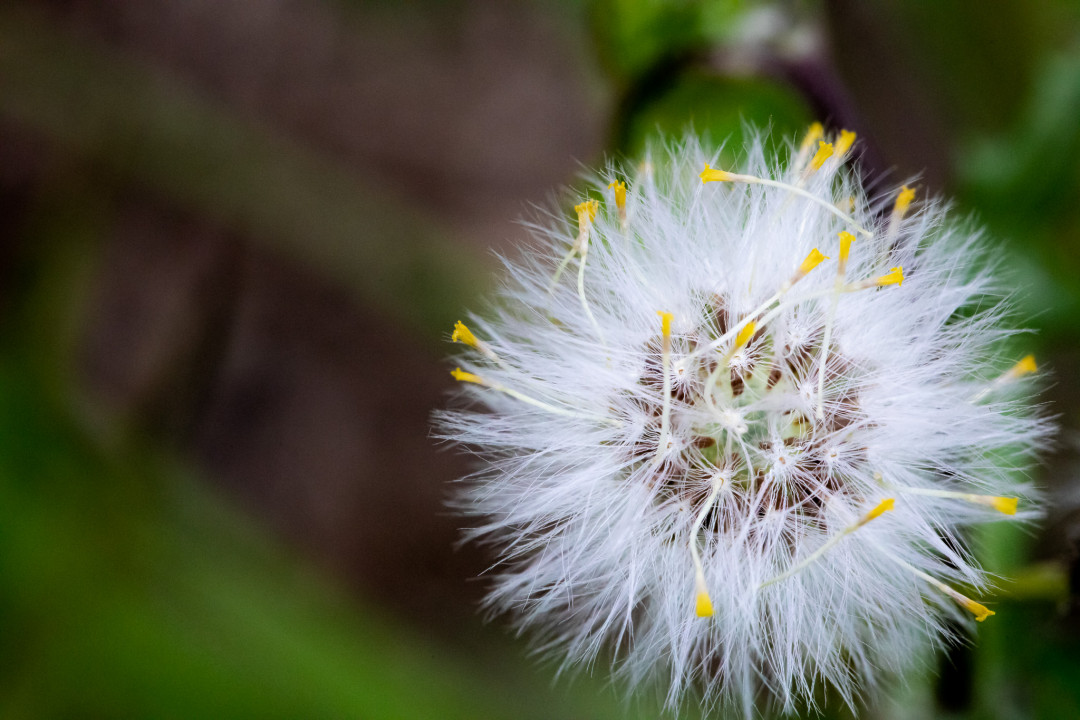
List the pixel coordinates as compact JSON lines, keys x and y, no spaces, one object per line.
{"x":882,"y":507}
{"x":589,"y":207}
{"x":895,"y":276}
{"x":703,"y":601}
{"x":814,"y":133}
{"x":1026,"y":366}
{"x":462,"y":376}
{"x":711,"y":174}
{"x":846,"y":239}
{"x":586,"y":213}
{"x":703,"y":604}
{"x":620,"y":194}
{"x":980,"y":611}
{"x":620,"y":200}
{"x":812,"y":260}
{"x":1004,"y":505}
{"x":903,"y":201}
{"x":665,"y":323}
{"x":824,"y":152}
{"x":745,"y":334}
{"x":665,"y":365}
{"x":463,"y":334}
{"x":844,"y":143}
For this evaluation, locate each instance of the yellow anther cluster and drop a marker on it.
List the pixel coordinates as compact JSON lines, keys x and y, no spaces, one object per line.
{"x":1004,"y":505}
{"x":587,"y":209}
{"x":904,"y":200}
{"x":880,"y":509}
{"x":846,"y":239}
{"x":745,"y":334}
{"x":895,"y":276}
{"x":980,"y":611}
{"x":620,"y":194}
{"x":703,"y":604}
{"x":586,"y":213}
{"x":814,"y":133}
{"x":711,"y":174}
{"x":1026,"y":366}
{"x":463,"y":334}
{"x":824,"y":152}
{"x":812,"y":260}
{"x":665,"y":322}
{"x":844,"y":143}
{"x":463,"y":376}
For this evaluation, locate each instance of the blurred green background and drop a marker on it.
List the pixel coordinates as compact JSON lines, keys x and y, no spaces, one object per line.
{"x":234,"y":236}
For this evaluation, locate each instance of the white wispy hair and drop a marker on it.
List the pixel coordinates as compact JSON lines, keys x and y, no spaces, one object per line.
{"x":741,"y":473}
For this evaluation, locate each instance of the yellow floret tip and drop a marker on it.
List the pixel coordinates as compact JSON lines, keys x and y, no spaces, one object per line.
{"x":703,"y":605}
{"x":846,"y":239}
{"x":1004,"y":505}
{"x":895,"y":276}
{"x":745,"y":334}
{"x":711,"y":174}
{"x":904,"y":199}
{"x":882,"y":507}
{"x":462,"y":376}
{"x":980,"y":611}
{"x":620,"y":193}
{"x":1026,"y":366}
{"x":588,"y":208}
{"x":844,"y":142}
{"x":824,"y":152}
{"x":812,"y":260}
{"x":665,"y":322}
{"x":813,"y":134}
{"x":463,"y":334}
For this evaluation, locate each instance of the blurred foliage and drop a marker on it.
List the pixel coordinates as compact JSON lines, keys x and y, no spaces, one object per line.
{"x":130,"y":591}
{"x":127,"y":589}
{"x":657,"y":52}
{"x":717,"y":108}
{"x":636,"y":37}
{"x":1024,"y":180}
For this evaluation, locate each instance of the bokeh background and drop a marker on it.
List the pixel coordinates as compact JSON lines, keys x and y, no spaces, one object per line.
{"x":234,"y":235}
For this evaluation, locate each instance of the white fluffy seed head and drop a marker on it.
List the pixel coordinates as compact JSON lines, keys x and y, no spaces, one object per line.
{"x":729,"y":470}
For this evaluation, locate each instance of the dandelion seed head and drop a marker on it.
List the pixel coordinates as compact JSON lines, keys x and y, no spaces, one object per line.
{"x":734,"y":422}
